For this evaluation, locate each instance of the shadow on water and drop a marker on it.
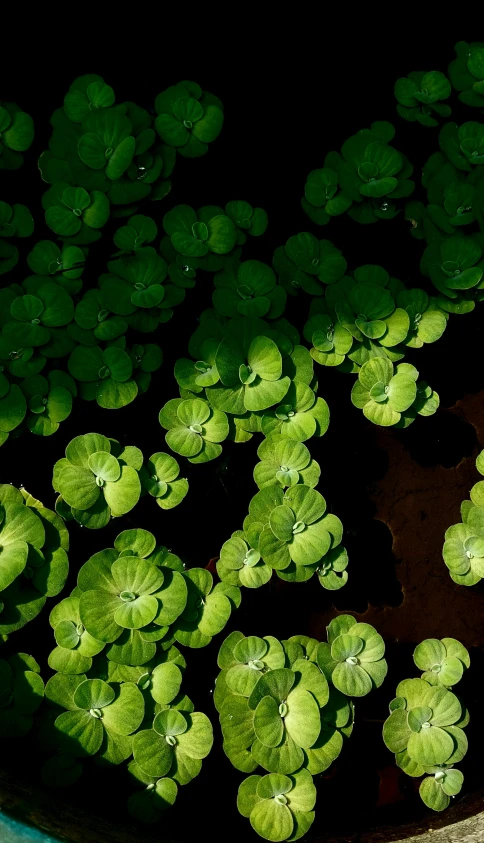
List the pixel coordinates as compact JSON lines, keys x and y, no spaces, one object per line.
{"x":443,"y":439}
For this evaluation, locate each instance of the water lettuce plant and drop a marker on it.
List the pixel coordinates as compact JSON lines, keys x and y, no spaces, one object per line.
{"x":443,"y":661}
{"x":207,"y":610}
{"x":33,"y":557}
{"x":195,"y":235}
{"x":16,"y":135}
{"x":370,"y":173}
{"x":463,"y":550}
{"x":194,"y":428}
{"x":277,"y":710}
{"x":104,"y":374}
{"x":103,"y":157}
{"x":188,"y":118}
{"x":248,"y":289}
{"x":248,"y":220}
{"x":323,"y":197}
{"x":308,"y":264}
{"x":465,"y":72}
{"x":97,"y":479}
{"x":390,"y":396}
{"x":75,"y":645}
{"x":242,"y":565}
{"x":159,"y":478}
{"x":285,"y":461}
{"x":426,"y":722}
{"x":250,"y":373}
{"x":419,"y":97}
{"x":278,"y":807}
{"x":352,"y":659}
{"x":167,"y":755}
{"x":128,"y":601}
{"x":176,"y":741}
{"x":100,"y":715}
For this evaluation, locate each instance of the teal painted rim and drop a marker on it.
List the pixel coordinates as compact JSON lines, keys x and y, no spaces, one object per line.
{"x":13,"y":831}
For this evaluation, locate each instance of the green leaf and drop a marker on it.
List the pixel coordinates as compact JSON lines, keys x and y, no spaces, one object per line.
{"x":302,"y":720}
{"x":125,"y":714}
{"x":430,"y":746}
{"x":152,"y":753}
{"x":432,"y":794}
{"x":268,"y":723}
{"x":93,"y":693}
{"x":78,"y":486}
{"x":123,"y":494}
{"x":264,"y":358}
{"x":81,"y":733}
{"x":271,"y":820}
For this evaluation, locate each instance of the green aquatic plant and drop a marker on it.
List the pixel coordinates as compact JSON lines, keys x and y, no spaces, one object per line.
{"x":466,"y":72}
{"x":419,"y":97}
{"x":370,"y":173}
{"x":104,"y":374}
{"x":248,"y":290}
{"x":352,"y":659}
{"x":443,"y":662}
{"x":69,"y":211}
{"x":390,"y":396}
{"x":288,"y":532}
{"x":159,"y":478}
{"x":285,"y":461}
{"x":177,"y":739}
{"x":16,"y":135}
{"x":425,"y":726}
{"x":195,"y":235}
{"x":242,"y":565}
{"x":188,"y":118}
{"x":323,"y":197}
{"x":248,"y":220}
{"x":308,"y":263}
{"x":33,"y":557}
{"x":278,"y":711}
{"x":207,"y":610}
{"x":300,"y":416}
{"x":278,"y":807}
{"x":293,"y":535}
{"x":97,"y":479}
{"x":129,"y":602}
{"x":463,"y":550}
{"x":100,"y":716}
{"x":49,"y":401}
{"x":75,"y":646}
{"x":195,"y":430}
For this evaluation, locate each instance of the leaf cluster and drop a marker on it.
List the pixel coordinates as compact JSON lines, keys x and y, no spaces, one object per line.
{"x":463,"y":550}
{"x":97,"y":480}
{"x":16,"y":135}
{"x":366,"y":179}
{"x":425,"y":728}
{"x":103,"y":158}
{"x":277,"y":710}
{"x":33,"y":557}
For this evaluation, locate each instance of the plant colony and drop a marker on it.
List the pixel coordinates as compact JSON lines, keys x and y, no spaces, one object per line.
{"x":286,"y":707}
